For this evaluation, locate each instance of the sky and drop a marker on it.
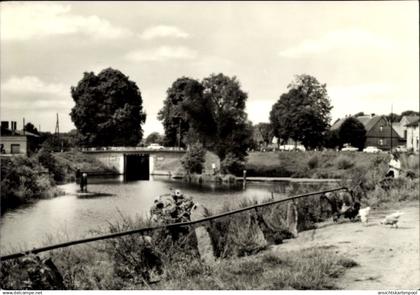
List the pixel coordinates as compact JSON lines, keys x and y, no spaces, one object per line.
{"x":366,"y":52}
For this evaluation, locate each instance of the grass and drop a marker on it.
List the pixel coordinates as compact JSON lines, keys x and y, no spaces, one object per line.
{"x":309,"y":269}
{"x":311,"y":164}
{"x":71,"y":161}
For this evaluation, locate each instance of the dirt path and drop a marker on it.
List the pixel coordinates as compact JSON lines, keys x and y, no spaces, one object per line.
{"x":388,"y":258}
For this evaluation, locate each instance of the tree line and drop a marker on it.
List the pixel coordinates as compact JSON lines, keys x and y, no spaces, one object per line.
{"x":208,"y":114}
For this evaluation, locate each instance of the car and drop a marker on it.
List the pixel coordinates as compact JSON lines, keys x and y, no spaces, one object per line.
{"x":349,"y":149}
{"x":155,"y":146}
{"x":401,"y":149}
{"x":371,"y":149}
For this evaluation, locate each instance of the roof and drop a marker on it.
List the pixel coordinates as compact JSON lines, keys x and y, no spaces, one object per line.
{"x":414,"y":123}
{"x":367,"y":121}
{"x":8,"y":132}
{"x":410,"y":119}
{"x":399,"y":128}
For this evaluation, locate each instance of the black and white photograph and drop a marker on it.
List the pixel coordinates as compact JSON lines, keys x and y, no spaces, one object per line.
{"x":209,"y":145}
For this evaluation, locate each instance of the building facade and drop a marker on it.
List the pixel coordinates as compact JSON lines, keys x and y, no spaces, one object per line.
{"x":413,"y":135}
{"x":379,"y":132}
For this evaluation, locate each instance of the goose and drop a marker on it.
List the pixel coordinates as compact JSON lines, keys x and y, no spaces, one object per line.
{"x":392,"y":219}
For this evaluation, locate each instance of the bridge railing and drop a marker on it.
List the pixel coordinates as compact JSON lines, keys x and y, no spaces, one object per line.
{"x":130,"y":148}
{"x":159,"y":227}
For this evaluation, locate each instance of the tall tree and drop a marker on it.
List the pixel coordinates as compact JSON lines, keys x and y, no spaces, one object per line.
{"x":211,"y":112}
{"x":173,"y":118}
{"x":353,"y":132}
{"x":108,"y":110}
{"x":302,"y":113}
{"x":227,"y":125}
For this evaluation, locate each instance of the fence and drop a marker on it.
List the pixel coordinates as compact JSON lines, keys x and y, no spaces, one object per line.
{"x":149,"y":229}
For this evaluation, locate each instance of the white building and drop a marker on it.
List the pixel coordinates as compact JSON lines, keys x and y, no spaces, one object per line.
{"x":413,"y":134}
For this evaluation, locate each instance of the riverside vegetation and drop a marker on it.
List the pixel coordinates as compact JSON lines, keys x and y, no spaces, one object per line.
{"x":123,"y":263}
{"x":25,"y":179}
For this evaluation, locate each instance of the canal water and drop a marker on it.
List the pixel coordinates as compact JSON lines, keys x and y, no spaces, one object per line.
{"x":70,"y":217}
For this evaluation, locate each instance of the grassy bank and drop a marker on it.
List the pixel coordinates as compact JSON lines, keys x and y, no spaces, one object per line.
{"x":313,"y":164}
{"x":127,"y":262}
{"x":71,"y":161}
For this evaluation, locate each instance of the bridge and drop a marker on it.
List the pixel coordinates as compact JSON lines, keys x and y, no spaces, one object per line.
{"x":138,"y":162}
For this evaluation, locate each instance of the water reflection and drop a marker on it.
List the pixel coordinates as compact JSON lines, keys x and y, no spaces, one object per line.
{"x":74,"y":217}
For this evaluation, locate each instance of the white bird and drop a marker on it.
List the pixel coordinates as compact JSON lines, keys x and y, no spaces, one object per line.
{"x":392,"y":219}
{"x":364,"y":213}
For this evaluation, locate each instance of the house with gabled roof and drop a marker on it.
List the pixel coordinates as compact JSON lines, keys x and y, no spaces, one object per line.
{"x":401,"y":126}
{"x":379,"y":132}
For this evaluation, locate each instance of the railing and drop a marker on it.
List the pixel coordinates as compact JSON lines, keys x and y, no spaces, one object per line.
{"x":131,"y":148}
{"x":149,"y":229}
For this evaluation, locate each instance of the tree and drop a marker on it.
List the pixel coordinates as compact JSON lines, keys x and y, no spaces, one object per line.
{"x":193,"y":160}
{"x":409,"y":113}
{"x":266,"y":132}
{"x":393,"y":117}
{"x":302,"y":113}
{"x":172,"y":116}
{"x":30,"y":128}
{"x":332,"y":139}
{"x":154,"y":137}
{"x":359,"y":114}
{"x":108,"y":109}
{"x":219,"y":116}
{"x":212,"y":112}
{"x":352,"y":131}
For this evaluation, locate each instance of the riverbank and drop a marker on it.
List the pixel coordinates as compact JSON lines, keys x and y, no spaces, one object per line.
{"x":387,"y":259}
{"x":118,"y":263}
{"x":316,"y":164}
{"x":27,"y":179}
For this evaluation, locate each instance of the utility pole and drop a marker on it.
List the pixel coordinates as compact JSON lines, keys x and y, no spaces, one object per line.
{"x":57,"y":131}
{"x":391,"y":131}
{"x":179,"y":132}
{"x":23,"y":128}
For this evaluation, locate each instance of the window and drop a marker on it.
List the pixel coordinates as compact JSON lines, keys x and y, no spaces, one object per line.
{"x":15,"y":148}
{"x":381,"y":142}
{"x":381,"y":128}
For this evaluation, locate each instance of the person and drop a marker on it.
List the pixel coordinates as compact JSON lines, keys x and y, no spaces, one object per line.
{"x":394,"y":166}
{"x":83,"y":182}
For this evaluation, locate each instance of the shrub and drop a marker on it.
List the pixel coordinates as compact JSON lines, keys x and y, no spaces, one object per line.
{"x":193,"y":160}
{"x":344,"y":162}
{"x":232,"y":164}
{"x":22,"y":179}
{"x":313,"y":162}
{"x":46,"y":159}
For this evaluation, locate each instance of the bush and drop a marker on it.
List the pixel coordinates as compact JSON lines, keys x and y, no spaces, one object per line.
{"x":313,"y":162}
{"x":193,"y":160}
{"x":344,"y":162}
{"x":232,"y":164}
{"x":22,"y":179}
{"x":46,"y":159}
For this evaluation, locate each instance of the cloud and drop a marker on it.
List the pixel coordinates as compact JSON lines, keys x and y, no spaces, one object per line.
{"x":30,"y":92}
{"x":338,"y":40}
{"x":23,"y":21}
{"x":162,"y":32}
{"x":360,"y":91}
{"x":162,"y":53}
{"x":32,"y":84}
